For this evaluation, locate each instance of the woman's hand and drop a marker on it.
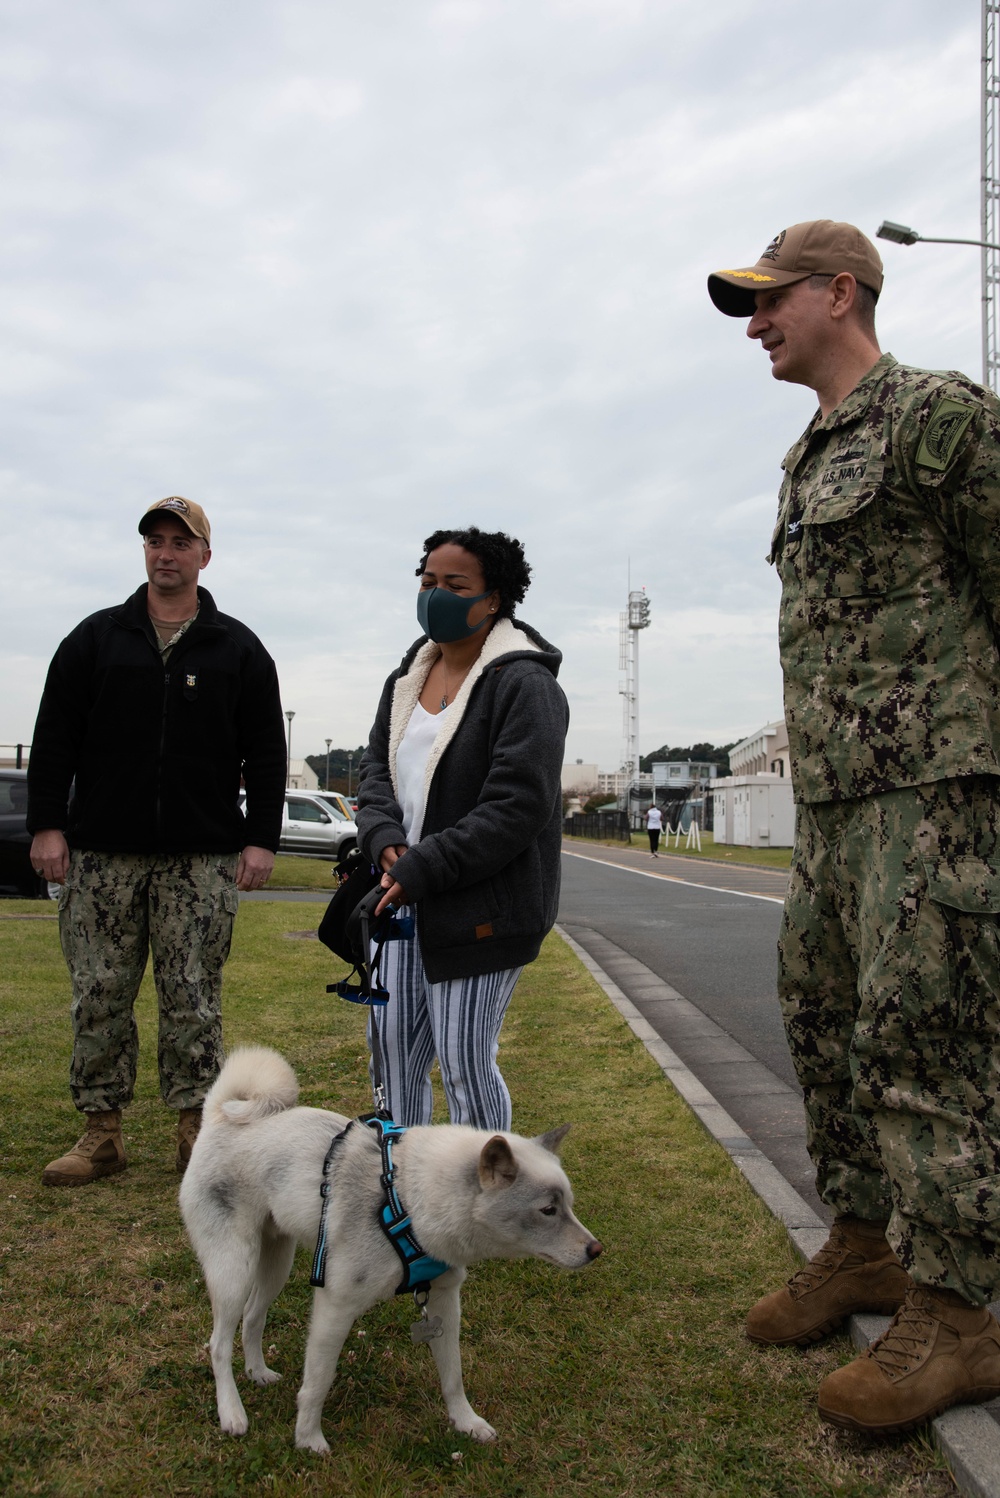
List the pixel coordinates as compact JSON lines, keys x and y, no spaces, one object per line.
{"x":388,"y":856}
{"x":395,"y":894}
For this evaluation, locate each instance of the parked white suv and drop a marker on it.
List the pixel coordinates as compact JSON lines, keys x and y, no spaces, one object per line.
{"x":314,"y":826}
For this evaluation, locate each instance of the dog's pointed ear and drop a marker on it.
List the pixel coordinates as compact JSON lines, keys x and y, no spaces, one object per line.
{"x":553,"y":1139}
{"x":497,"y":1166}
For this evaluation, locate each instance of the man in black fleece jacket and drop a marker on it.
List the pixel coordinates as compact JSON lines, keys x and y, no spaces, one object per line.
{"x":151,"y":713}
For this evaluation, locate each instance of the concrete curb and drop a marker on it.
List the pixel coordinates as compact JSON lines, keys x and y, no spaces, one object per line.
{"x":968,"y":1436}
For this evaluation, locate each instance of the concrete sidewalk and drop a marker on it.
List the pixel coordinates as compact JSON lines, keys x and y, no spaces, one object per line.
{"x":969,"y":1435}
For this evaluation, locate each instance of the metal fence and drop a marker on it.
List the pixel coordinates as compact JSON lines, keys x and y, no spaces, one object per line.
{"x":606,"y":824}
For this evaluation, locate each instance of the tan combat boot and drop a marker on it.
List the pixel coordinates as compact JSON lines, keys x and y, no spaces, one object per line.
{"x":188,"y":1124}
{"x":100,"y":1152}
{"x":938,"y":1351}
{"x":854,"y":1271}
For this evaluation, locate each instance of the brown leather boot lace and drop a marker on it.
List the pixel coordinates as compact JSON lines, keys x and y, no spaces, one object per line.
{"x":823,"y":1264}
{"x":900,"y":1347}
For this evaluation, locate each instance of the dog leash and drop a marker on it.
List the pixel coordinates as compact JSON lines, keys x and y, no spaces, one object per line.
{"x":317,"y":1277}
{"x":370,"y":989}
{"x":419,"y":1268}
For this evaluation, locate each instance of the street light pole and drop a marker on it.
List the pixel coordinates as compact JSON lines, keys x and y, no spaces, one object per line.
{"x":328,"y":743}
{"x":289,"y":714}
{"x":901,"y":234}
{"x":989,"y":191}
{"x":350,"y":771}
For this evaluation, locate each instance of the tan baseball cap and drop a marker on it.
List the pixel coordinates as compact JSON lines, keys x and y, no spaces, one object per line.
{"x":191,"y":514}
{"x":818,"y":248}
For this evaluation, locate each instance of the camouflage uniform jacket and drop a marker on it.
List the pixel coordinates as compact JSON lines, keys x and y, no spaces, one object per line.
{"x":887,"y":548}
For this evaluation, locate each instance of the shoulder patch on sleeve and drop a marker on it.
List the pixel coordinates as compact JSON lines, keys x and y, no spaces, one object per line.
{"x":949,"y":420}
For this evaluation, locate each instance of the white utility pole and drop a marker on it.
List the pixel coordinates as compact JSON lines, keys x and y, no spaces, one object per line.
{"x":636,"y":617}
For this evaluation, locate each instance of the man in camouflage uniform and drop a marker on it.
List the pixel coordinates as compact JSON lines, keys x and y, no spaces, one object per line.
{"x":151,"y":713}
{"x":887,"y":547}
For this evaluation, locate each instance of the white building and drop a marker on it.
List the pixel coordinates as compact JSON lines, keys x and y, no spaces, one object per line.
{"x":753,"y":806}
{"x":763,"y":753}
{"x":301,"y":776}
{"x":681,"y":774}
{"x":754,"y":811}
{"x":579,"y":776}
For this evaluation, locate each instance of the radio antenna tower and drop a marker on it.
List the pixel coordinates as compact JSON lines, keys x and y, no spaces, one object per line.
{"x":990,"y":201}
{"x":635,"y":617}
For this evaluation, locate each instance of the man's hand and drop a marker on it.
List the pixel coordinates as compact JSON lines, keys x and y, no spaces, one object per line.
{"x":254,"y":868}
{"x":50,"y":855}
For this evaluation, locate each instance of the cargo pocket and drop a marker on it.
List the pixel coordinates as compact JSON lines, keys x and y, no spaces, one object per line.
{"x":841,"y":546}
{"x":230,"y":899}
{"x":977,"y":1205}
{"x":958,"y":936}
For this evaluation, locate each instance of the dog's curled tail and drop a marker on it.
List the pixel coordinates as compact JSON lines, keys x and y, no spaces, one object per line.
{"x":254,"y":1083}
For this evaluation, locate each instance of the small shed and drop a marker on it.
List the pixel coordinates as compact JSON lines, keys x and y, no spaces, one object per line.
{"x":754,"y":811}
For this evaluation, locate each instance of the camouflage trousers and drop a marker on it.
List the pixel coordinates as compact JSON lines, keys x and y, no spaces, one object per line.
{"x":113,"y":910}
{"x":889,"y":979}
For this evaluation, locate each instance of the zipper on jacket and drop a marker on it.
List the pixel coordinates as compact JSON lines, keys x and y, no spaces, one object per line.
{"x":159,"y":762}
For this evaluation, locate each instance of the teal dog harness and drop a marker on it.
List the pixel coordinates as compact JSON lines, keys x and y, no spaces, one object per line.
{"x":418,"y":1267}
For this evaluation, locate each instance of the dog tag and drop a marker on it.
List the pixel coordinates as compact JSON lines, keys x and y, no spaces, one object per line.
{"x":427,"y":1329}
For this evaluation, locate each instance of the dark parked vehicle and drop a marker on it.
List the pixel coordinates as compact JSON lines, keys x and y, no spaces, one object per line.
{"x":17,"y":877}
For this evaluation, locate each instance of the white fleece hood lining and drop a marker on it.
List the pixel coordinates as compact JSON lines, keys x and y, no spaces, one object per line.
{"x":503,"y":639}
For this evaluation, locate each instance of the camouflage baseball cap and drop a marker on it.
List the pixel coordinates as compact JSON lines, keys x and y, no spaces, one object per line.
{"x":189,"y":513}
{"x":819,"y":247}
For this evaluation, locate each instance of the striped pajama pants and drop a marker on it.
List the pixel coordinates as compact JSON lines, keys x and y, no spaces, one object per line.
{"x":458,"y":1021}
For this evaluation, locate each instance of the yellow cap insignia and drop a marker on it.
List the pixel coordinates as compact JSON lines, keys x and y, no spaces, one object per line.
{"x":747,"y":275}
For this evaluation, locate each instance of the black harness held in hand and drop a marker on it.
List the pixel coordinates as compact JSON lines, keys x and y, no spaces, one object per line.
{"x":350,"y":928}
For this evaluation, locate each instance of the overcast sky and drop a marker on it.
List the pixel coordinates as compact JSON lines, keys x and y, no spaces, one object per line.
{"x":346,"y":271}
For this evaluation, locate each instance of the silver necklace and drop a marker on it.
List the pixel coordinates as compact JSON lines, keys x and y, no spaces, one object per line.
{"x":447,"y":688}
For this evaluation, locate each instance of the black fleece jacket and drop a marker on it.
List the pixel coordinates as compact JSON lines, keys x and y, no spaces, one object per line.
{"x":157,"y":749}
{"x":484,"y":876}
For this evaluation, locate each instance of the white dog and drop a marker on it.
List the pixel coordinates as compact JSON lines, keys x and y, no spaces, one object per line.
{"x":252,"y":1192}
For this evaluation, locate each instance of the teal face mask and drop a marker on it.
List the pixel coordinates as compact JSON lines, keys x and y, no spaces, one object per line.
{"x":444,"y":616}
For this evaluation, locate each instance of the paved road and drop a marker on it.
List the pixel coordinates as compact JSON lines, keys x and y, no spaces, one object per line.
{"x":692,"y":944}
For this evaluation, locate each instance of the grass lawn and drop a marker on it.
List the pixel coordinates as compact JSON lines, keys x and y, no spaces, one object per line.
{"x":293,"y":871}
{"x":629,"y":1378}
{"x":764,"y":858}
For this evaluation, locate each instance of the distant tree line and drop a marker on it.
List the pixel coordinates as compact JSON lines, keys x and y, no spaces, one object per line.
{"x":338,"y":767}
{"x":703,"y":754}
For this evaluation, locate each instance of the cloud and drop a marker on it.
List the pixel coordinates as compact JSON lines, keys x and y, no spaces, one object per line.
{"x":345,"y":274}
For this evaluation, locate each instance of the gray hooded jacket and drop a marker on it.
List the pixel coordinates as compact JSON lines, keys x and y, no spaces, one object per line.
{"x":484,"y":876}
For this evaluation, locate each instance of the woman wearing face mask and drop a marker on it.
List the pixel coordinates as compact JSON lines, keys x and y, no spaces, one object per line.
{"x":460,"y":804}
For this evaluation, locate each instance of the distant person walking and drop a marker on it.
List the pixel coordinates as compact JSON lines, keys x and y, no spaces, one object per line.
{"x":654,"y":826}
{"x":151,"y":713}
{"x":886,"y":543}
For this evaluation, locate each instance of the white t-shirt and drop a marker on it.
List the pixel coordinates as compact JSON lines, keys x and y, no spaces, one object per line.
{"x":411,"y":764}
{"x":654,"y":819}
